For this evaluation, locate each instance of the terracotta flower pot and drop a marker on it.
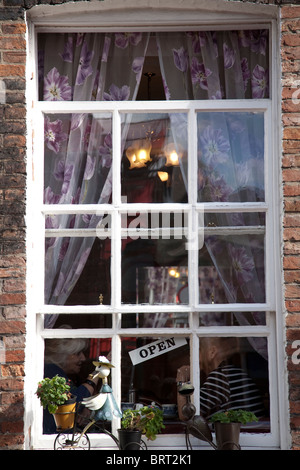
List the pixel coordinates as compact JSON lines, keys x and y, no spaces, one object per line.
{"x":65,"y":415}
{"x":228,"y":436}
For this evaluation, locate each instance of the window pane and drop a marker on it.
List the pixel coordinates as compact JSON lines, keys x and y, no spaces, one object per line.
{"x":154,"y":379}
{"x":98,"y":223}
{"x":155,"y":320}
{"x":78,"y":157}
{"x":256,"y":220}
{"x":154,"y":271}
{"x":230,"y":156}
{"x":77,"y":271}
{"x":76,"y":321}
{"x":154,"y":163}
{"x":73,"y":358}
{"x":232,"y":318}
{"x":242,"y":364}
{"x":193,"y":65}
{"x":232,"y":269}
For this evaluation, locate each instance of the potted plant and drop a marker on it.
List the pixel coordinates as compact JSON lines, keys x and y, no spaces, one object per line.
{"x":147,"y":421}
{"x":55,"y":395}
{"x":227,"y":426}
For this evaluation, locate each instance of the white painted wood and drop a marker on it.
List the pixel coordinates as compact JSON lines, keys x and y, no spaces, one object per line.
{"x":156,"y":15}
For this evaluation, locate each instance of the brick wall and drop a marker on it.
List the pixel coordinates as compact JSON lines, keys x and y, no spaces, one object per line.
{"x":12,"y":208}
{"x":12,"y":225}
{"x":290,"y":55}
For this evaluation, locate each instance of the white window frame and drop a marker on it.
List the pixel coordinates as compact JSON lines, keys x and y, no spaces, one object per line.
{"x":68,"y":17}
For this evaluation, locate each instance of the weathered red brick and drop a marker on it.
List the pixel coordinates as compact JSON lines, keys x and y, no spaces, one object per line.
{"x":290,"y":12}
{"x":14,"y":28}
{"x":14,"y":356}
{"x":12,"y":70}
{"x":290,"y":40}
{"x":12,"y":370}
{"x":12,"y":43}
{"x":12,"y":299}
{"x":12,"y":327}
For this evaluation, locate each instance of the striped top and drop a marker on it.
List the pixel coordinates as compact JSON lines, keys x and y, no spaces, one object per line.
{"x":229,"y":387}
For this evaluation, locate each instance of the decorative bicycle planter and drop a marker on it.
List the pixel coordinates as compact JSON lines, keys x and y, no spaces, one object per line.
{"x":76,"y":439}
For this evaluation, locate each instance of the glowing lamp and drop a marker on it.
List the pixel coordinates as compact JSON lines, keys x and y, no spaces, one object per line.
{"x":139,"y":154}
{"x":173,"y":154}
{"x":163,"y":176}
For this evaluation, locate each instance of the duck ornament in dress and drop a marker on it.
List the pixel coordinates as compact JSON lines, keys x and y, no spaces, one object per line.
{"x":104,"y":404}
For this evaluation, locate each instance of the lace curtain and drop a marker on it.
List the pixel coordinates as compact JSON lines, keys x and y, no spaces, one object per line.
{"x":226,"y":65}
{"x":81,"y":67}
{"x":194,"y":65}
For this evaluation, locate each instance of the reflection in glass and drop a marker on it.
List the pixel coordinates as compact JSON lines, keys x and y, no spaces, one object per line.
{"x":153,"y":380}
{"x":154,"y":271}
{"x":235,"y":219}
{"x":230,"y":157}
{"x":242,"y":365}
{"x":156,"y":320}
{"x":77,"y":321}
{"x":73,"y":358}
{"x":82,"y":271}
{"x":154,"y":162}
{"x":232,"y":318}
{"x":231,"y":269}
{"x":78,"y":159}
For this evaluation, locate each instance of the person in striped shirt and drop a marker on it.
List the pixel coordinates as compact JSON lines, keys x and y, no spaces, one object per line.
{"x":226,"y":386}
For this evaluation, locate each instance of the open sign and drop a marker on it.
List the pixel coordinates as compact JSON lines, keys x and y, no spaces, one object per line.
{"x":151,"y":350}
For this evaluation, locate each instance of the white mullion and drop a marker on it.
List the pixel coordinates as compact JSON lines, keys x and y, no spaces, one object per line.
{"x":192,"y":241}
{"x":116,"y":216}
{"x":116,"y":376}
{"x":238,"y":331}
{"x":116,"y":160}
{"x":136,"y":308}
{"x":39,"y":346}
{"x":270,"y":229}
{"x":276,"y":384}
{"x":238,"y":307}
{"x":63,"y":209}
{"x":35,"y":213}
{"x":153,"y":207}
{"x":80,"y":232}
{"x":85,"y":333}
{"x":64,"y":107}
{"x":195,"y":370}
{"x":236,"y":230}
{"x":154,"y":232}
{"x":212,"y":331}
{"x":216,"y":207}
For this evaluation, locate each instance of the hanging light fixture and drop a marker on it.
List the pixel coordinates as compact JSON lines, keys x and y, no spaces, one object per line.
{"x":163,"y":176}
{"x":139,"y":153}
{"x":172,"y":153}
{"x":173,"y":272}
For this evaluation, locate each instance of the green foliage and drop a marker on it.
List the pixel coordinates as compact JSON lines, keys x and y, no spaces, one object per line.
{"x":53,"y":392}
{"x":234,"y":416}
{"x":148,"y":420}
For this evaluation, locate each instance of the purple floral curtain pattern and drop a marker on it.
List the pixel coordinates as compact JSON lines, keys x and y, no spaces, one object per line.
{"x":226,"y":65}
{"x":215,"y":65}
{"x":78,"y":147}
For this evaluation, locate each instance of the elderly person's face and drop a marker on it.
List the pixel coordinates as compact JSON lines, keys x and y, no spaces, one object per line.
{"x":74,"y":363}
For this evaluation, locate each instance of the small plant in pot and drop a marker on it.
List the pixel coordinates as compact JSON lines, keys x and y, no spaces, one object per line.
{"x":227,"y":426}
{"x":147,"y":421}
{"x":54,"y":394}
